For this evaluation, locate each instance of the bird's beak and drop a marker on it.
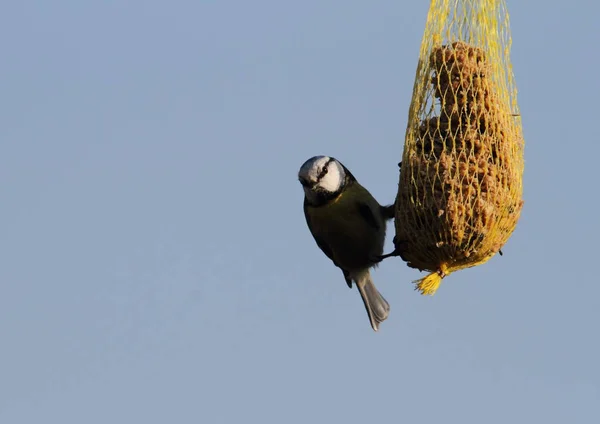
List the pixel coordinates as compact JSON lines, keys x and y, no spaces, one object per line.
{"x":305,"y":183}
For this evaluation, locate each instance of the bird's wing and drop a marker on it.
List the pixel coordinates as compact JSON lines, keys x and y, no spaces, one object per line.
{"x":388,"y":212}
{"x":368,"y":216}
{"x":347,"y":278}
{"x":325,"y":247}
{"x":320,"y":242}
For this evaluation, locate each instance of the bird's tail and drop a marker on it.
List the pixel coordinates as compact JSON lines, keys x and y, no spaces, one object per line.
{"x":377,"y":307}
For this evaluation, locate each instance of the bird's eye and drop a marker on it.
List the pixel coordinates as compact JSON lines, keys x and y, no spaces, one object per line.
{"x":324,"y":171}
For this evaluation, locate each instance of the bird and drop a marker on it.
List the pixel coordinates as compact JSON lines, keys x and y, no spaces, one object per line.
{"x":348,"y":225}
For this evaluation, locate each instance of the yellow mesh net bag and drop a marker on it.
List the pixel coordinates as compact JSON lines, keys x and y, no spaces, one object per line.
{"x":459,"y":196}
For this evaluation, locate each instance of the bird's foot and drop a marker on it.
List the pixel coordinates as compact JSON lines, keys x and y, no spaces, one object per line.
{"x":380,"y":258}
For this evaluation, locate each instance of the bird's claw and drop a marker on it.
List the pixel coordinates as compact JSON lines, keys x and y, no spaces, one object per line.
{"x":380,"y":258}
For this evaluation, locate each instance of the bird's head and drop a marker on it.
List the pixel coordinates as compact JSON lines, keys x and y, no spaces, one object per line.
{"x":322,"y":178}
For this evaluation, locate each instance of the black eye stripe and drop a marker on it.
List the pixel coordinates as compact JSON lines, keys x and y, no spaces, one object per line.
{"x":324,"y":169}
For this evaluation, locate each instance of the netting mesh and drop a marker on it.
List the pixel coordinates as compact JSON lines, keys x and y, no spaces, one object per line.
{"x":459,"y":197}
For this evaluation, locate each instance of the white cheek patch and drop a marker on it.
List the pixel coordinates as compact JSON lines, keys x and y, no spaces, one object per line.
{"x":332,"y":181}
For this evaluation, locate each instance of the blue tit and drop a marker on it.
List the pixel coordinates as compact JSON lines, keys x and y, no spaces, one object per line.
{"x":348,"y":225}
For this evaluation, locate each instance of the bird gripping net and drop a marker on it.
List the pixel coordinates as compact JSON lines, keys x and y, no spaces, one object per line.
{"x":460,"y":189}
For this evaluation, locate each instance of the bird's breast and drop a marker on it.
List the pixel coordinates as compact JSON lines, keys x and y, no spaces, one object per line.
{"x":354,"y":241}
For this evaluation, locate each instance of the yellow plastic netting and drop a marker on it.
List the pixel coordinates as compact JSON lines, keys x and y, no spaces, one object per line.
{"x":459,"y":197}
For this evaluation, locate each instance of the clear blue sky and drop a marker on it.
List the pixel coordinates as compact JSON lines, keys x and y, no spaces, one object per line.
{"x":155,"y":263}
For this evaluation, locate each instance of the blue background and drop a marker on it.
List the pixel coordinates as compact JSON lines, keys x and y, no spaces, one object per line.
{"x":155,"y":265}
